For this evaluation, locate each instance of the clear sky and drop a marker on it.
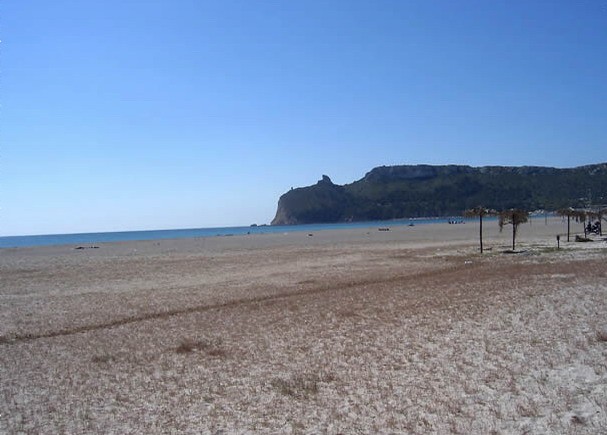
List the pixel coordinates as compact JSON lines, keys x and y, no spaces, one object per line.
{"x":149,"y":114}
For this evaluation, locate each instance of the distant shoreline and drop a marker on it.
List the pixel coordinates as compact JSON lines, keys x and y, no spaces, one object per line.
{"x":140,"y":235}
{"x":85,"y":240}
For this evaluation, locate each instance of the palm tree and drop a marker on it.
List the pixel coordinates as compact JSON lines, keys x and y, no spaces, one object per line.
{"x":479,"y":211}
{"x":513,"y":217}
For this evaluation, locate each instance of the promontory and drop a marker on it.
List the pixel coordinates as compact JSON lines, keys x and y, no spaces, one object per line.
{"x":408,"y":191}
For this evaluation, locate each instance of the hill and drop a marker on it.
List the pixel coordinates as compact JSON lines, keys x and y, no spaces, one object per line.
{"x":393,"y":192}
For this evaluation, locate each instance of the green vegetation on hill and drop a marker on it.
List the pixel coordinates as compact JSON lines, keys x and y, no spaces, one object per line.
{"x":393,"y":192}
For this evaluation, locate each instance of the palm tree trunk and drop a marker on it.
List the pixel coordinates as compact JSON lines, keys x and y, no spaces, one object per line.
{"x":513,"y":235}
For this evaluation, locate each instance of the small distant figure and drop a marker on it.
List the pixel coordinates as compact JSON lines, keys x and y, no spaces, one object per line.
{"x":594,"y":228}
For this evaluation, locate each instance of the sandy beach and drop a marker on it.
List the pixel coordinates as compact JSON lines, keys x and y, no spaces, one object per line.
{"x":353,"y":331}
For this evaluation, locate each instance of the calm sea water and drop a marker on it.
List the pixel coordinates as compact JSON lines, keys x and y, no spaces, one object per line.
{"x":91,"y":238}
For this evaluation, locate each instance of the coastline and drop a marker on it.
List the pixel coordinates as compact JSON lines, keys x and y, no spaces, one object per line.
{"x":185,"y":233}
{"x":90,"y":239}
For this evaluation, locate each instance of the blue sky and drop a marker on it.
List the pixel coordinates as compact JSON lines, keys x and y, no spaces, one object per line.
{"x":125,"y":115}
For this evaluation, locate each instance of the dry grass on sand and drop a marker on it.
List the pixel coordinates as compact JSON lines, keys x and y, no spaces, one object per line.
{"x":367,"y":337}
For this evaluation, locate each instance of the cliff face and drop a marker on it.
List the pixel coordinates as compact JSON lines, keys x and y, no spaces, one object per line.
{"x":391,"y":192}
{"x":322,"y":202}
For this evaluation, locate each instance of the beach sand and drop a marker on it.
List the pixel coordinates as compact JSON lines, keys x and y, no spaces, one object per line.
{"x":352,"y":331}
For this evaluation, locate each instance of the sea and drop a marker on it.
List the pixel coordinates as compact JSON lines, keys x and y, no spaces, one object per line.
{"x":123,"y":236}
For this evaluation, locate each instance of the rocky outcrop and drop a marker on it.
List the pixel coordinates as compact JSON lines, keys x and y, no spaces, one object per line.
{"x":392,"y":192}
{"x":322,"y":202}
